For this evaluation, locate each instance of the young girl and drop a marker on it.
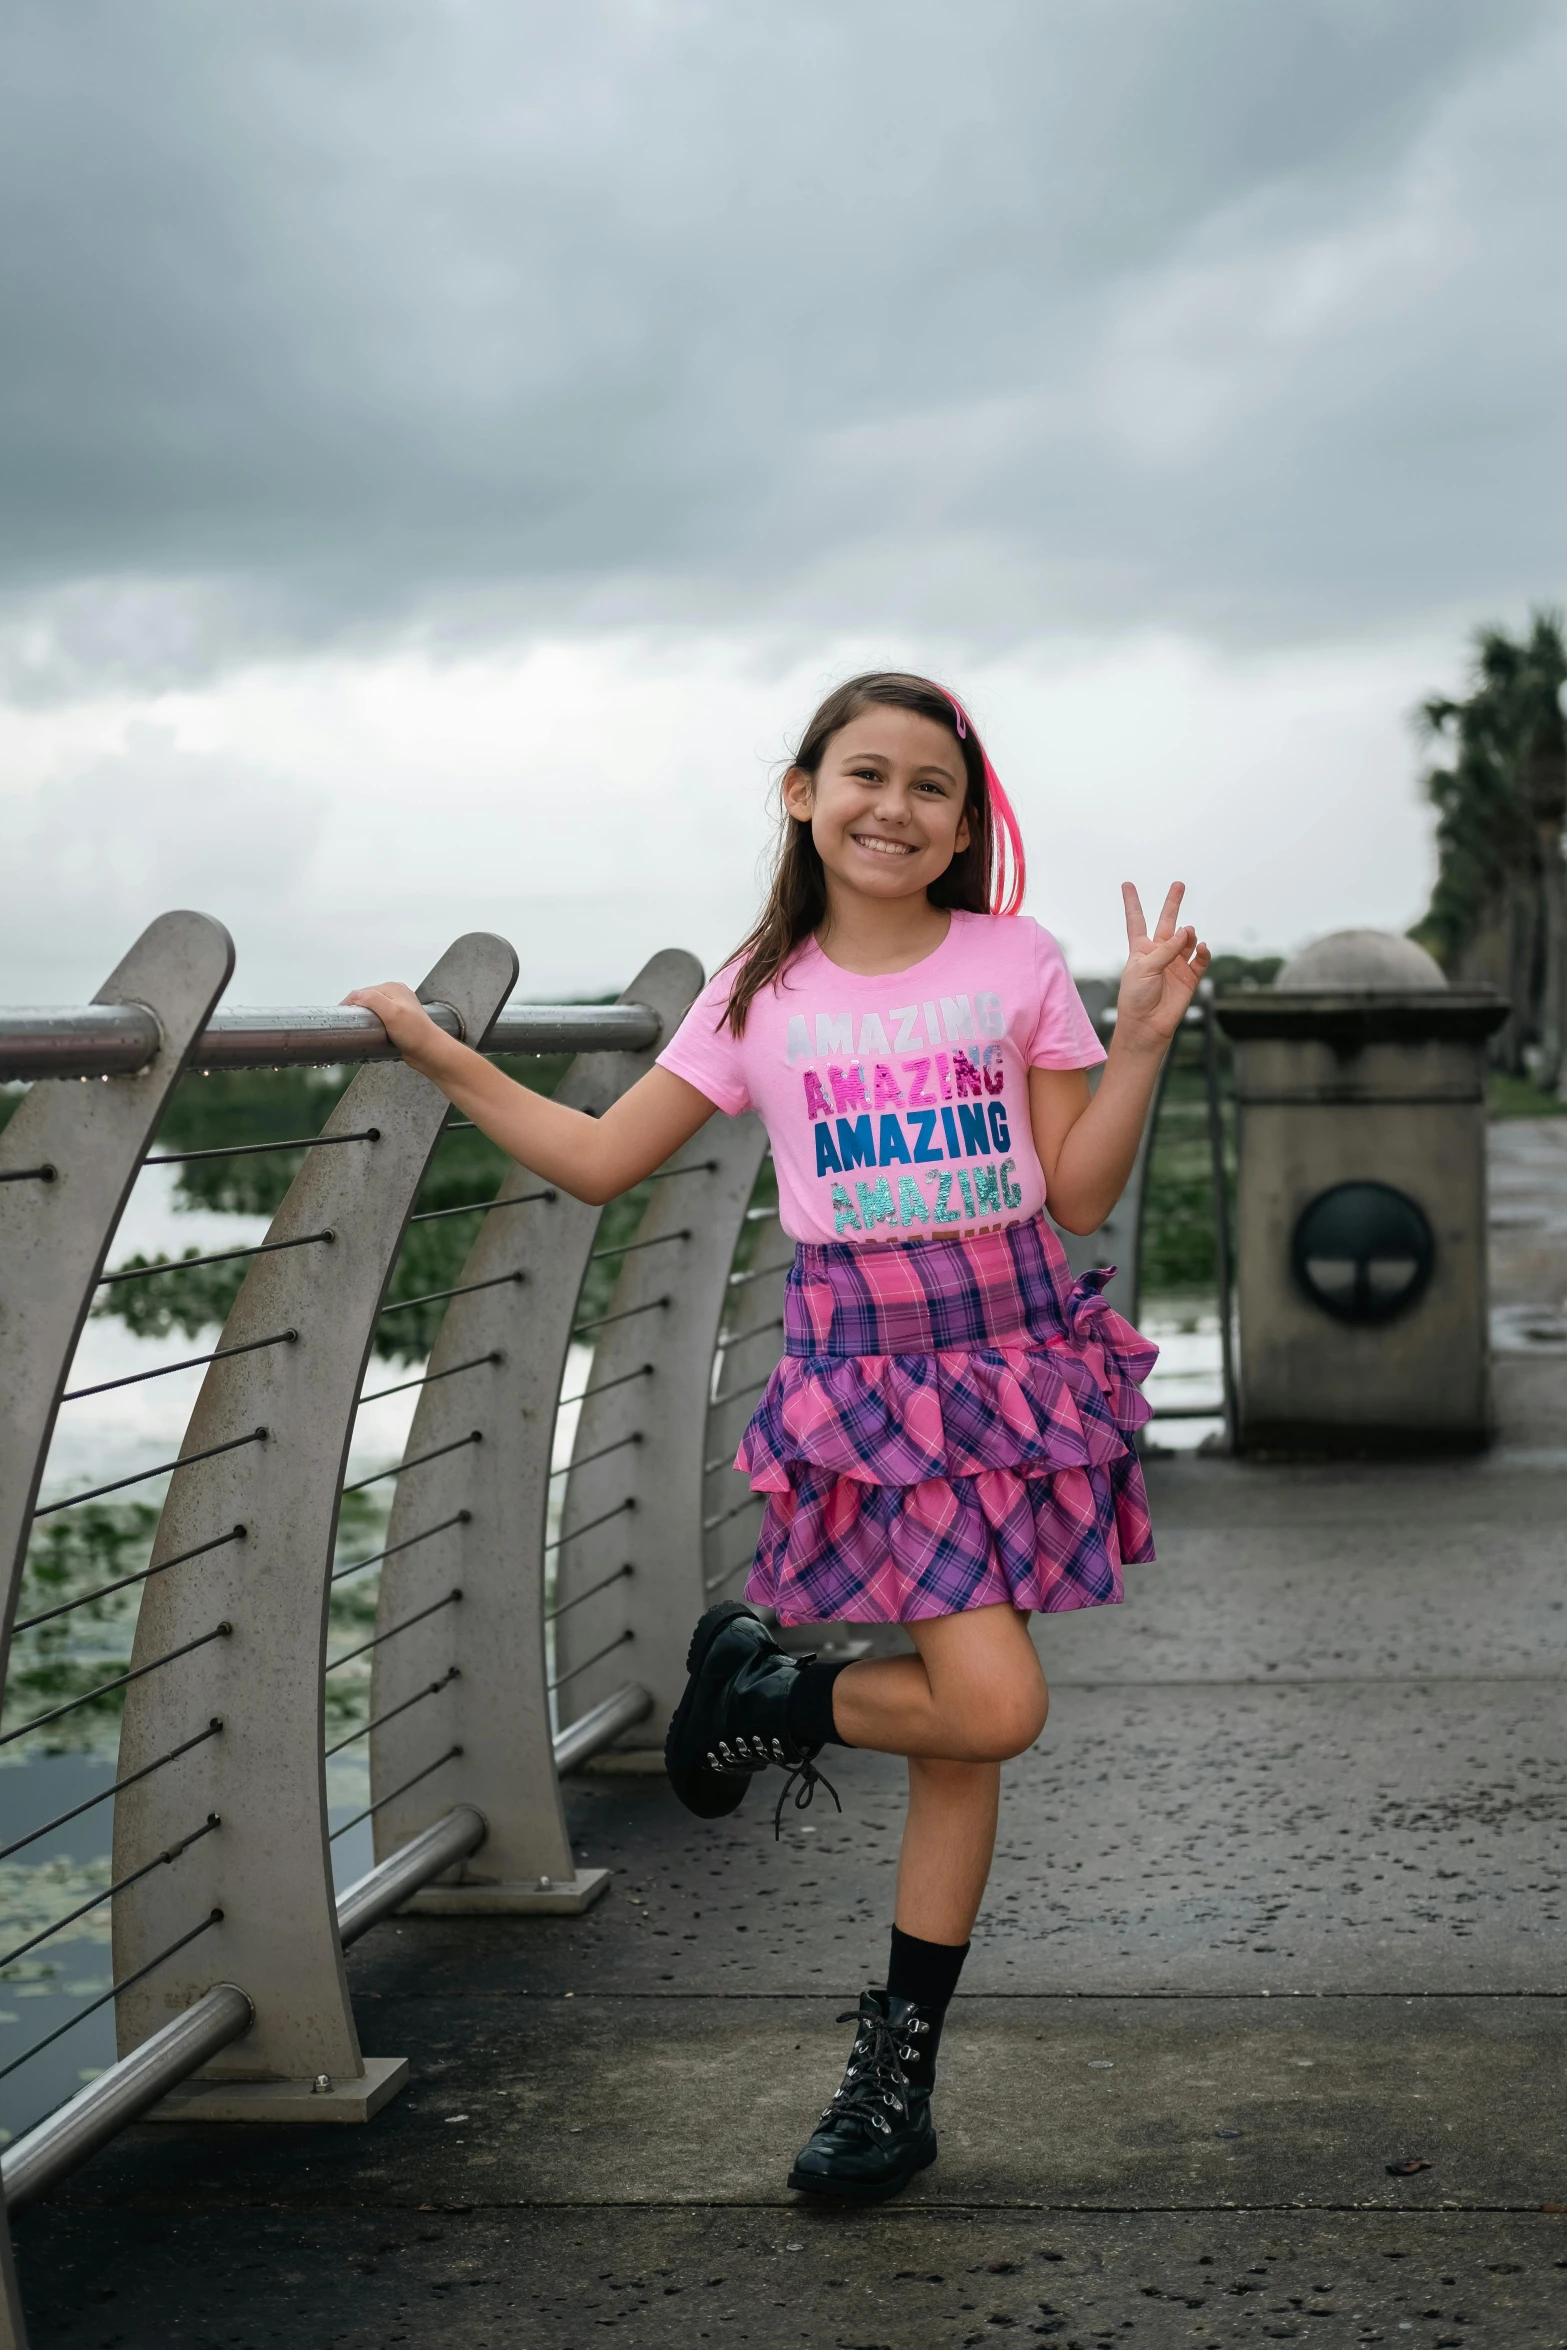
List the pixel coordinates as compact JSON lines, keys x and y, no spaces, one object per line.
{"x":945,"y":1444}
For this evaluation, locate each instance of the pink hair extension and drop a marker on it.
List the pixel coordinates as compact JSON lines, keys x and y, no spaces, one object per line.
{"x":1006,"y":888}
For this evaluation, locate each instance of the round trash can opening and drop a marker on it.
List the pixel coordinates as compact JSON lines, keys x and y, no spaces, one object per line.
{"x":1362,"y":1251}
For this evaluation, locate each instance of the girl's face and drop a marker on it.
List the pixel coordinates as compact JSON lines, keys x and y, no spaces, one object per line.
{"x":887,"y":808}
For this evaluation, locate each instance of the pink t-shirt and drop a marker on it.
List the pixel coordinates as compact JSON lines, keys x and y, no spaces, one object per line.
{"x":897,"y":1107}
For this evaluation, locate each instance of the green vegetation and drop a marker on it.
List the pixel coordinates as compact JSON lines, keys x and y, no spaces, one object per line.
{"x":1229,"y":972}
{"x":70,"y":1555}
{"x":1178,"y":1221}
{"x":1178,"y":1256}
{"x":1517,"y":1097}
{"x":1505,"y":781}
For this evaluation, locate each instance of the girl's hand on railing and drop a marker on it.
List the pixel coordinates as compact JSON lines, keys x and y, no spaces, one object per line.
{"x":404,"y":1018}
{"x":1161,"y":974}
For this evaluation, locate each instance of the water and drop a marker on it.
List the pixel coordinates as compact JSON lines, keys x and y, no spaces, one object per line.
{"x":1188,"y":1372}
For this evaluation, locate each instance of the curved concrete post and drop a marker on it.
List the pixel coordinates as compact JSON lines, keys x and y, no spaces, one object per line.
{"x":267,"y":1867}
{"x":642,"y":1503}
{"x":497,"y":1710}
{"x":55,"y":1230}
{"x":54,"y":1236}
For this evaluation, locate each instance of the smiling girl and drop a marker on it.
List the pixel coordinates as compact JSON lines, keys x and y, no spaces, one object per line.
{"x":946,"y":1443}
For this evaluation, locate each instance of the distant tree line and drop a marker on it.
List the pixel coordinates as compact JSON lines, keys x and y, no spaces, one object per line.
{"x":1498,"y":912}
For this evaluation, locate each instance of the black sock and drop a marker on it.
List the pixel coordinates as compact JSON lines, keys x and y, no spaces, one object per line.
{"x":926,"y":1972}
{"x":809,"y":1714}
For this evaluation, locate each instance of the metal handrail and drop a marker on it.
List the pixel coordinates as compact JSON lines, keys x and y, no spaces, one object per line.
{"x":115,"y":1040}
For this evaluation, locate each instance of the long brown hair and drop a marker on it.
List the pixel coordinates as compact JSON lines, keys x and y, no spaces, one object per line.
{"x":797,"y":900}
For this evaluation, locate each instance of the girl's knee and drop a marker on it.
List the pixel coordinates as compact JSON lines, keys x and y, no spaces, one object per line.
{"x":1013,"y":1723}
{"x":1011,"y":1720}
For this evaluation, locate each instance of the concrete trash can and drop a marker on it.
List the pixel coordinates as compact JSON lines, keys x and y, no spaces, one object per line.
{"x":1361,"y":1241}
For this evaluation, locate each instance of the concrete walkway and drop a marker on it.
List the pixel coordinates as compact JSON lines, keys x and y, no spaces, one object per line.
{"x":1262,"y":2038}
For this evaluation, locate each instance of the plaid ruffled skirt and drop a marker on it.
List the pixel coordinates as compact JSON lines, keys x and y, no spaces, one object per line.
{"x":949,"y":1428}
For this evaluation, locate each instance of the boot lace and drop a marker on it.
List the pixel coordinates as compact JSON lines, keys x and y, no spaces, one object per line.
{"x":809,"y":1778}
{"x":874,"y":2084}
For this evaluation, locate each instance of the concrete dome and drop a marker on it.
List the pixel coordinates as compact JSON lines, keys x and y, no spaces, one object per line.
{"x":1364,"y":962}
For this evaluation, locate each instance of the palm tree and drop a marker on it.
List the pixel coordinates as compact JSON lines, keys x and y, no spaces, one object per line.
{"x":1499,"y":907}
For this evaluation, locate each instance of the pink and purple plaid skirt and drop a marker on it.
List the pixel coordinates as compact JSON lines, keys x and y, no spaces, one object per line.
{"x":949,"y":1429}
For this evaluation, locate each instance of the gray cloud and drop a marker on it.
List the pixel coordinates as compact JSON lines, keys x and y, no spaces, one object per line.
{"x":329,"y":319}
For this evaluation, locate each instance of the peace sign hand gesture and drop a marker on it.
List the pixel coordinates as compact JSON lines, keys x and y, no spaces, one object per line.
{"x":1161,"y":972}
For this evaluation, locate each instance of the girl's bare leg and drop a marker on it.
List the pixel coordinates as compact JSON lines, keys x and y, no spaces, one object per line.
{"x":972,"y":1696}
{"x":948,"y":1839}
{"x":975,"y":1693}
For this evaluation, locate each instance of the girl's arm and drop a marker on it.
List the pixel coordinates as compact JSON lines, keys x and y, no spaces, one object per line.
{"x":1087,"y":1143}
{"x":595,"y":1159}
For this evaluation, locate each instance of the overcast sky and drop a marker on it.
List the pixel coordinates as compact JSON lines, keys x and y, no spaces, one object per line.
{"x":445,"y":451}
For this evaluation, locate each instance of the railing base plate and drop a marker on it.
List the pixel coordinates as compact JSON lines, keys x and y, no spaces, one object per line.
{"x":563,"y":1897}
{"x":285,"y":2101}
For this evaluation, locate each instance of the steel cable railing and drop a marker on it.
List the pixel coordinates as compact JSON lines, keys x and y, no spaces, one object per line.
{"x":122,"y":1037}
{"x":735,"y":1394}
{"x":591,"y":1592}
{"x":227,"y":1351}
{"x":296,"y":1342}
{"x":106,"y":1794}
{"x":415,"y":1461}
{"x":747,"y":1502}
{"x":482,"y":1207}
{"x":457,"y":1518}
{"x":620,"y":1510}
{"x":758,"y":1273}
{"x":654,"y":1305}
{"x":219,"y":1354}
{"x":726,"y":1390}
{"x":621,"y":1640}
{"x":625,"y":1248}
{"x":159,"y":1860}
{"x":68,"y":1607}
{"x":451,"y":1600}
{"x":733,"y":1338}
{"x":434,"y":1297}
{"x":643,"y":1371}
{"x":600,"y":1453}
{"x":73,"y":1705}
{"x":376,"y":1722}
{"x":428,"y":1378}
{"x":140,"y":1476}
{"x":256,"y":1150}
{"x":392,"y":1793}
{"x":434,"y":1375}
{"x":222,"y":1256}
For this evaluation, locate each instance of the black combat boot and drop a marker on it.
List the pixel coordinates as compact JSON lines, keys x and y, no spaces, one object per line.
{"x":732,"y":1719}
{"x":877,"y":2132}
